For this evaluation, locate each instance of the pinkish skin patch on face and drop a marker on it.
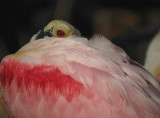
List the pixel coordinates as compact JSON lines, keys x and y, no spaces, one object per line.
{"x":48,"y":79}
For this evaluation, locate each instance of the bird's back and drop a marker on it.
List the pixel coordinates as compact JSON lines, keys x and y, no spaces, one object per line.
{"x":67,"y":79}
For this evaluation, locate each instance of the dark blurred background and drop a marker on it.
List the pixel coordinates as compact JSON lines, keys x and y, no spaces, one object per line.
{"x":130,"y":24}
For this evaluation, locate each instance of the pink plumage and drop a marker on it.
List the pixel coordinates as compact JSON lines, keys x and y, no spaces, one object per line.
{"x":76,"y":78}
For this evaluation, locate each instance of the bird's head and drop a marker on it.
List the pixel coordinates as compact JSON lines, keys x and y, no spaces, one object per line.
{"x":58,"y":29}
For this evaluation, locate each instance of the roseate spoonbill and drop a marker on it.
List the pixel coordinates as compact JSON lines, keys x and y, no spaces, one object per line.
{"x":152,"y":61}
{"x":3,"y":113}
{"x":64,"y":75}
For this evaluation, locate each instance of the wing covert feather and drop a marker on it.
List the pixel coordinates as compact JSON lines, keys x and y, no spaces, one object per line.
{"x":108,"y":71}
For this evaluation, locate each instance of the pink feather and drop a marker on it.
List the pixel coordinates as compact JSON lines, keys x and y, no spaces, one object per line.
{"x":76,"y":78}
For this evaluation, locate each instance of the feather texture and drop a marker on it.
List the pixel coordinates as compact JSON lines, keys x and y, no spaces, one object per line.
{"x":3,"y":113}
{"x":77,"y":78}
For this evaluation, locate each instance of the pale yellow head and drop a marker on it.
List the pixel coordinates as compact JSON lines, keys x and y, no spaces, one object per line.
{"x":59,"y":28}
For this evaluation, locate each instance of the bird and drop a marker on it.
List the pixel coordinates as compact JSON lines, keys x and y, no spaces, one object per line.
{"x":3,"y":52}
{"x":152,"y":61}
{"x":61,"y":74}
{"x":3,"y":112}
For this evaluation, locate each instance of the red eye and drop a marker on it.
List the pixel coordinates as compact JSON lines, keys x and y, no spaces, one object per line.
{"x":60,"y":33}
